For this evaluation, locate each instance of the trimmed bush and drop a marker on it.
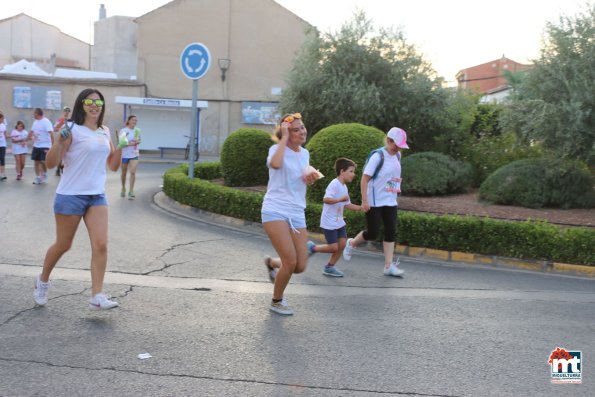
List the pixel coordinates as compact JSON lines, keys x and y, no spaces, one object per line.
{"x":208,"y":170}
{"x":537,"y":183}
{"x":488,"y":153}
{"x":528,"y":240}
{"x":433,"y":174}
{"x":350,"y":140}
{"x":243,"y":157}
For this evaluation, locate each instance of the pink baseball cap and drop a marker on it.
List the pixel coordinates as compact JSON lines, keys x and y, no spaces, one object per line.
{"x":399,"y":136}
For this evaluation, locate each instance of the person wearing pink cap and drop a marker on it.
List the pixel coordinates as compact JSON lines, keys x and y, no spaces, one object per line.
{"x":380,"y":186}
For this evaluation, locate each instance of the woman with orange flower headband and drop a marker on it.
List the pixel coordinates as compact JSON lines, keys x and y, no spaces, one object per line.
{"x":283,"y":206}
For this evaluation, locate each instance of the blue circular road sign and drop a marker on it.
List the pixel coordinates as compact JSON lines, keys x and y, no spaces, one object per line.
{"x":195,"y":60}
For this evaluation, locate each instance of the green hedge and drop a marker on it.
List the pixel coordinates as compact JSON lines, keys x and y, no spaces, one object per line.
{"x":526,"y":240}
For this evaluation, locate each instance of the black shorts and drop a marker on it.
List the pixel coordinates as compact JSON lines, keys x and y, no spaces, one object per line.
{"x":38,"y":153}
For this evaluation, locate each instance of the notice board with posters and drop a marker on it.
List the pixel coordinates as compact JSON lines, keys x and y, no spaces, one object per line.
{"x":260,"y":113}
{"x":49,"y":98}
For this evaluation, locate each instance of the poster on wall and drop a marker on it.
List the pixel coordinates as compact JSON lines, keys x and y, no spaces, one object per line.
{"x":260,"y":113}
{"x":53,"y":100}
{"x":37,"y":97}
{"x":21,"y":97}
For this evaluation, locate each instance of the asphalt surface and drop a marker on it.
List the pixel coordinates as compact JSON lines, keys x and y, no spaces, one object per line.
{"x":194,"y":294}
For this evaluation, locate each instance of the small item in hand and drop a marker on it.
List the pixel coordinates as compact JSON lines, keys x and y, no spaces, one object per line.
{"x":123,"y":140}
{"x":309,"y":170}
{"x":65,"y":132}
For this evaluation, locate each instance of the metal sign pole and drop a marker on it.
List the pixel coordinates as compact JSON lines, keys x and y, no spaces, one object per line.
{"x":191,"y":153}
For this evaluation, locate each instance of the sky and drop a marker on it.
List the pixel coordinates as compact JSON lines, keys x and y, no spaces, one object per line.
{"x":451,"y":34}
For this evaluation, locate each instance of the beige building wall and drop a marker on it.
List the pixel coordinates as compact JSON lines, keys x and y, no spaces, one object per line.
{"x":260,"y":37}
{"x":70,"y":89}
{"x":24,"y":37}
{"x":114,"y":50}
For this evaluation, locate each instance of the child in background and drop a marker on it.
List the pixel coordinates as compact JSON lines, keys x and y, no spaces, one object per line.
{"x":19,"y":137}
{"x":336,"y":198}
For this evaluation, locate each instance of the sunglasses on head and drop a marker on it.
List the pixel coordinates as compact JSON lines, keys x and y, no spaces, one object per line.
{"x":290,"y":117}
{"x":88,"y":102}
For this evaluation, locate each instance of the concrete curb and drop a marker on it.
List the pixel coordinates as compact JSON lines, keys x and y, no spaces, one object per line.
{"x":170,"y":205}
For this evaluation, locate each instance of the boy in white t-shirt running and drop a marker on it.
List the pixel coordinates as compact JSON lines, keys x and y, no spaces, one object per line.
{"x":336,"y":198}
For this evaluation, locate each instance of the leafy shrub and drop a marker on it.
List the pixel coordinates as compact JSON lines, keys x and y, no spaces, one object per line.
{"x":488,"y":153}
{"x":530,"y":240}
{"x":431,"y":173}
{"x":208,"y":170}
{"x":243,"y":157}
{"x":350,"y":140}
{"x":542,"y":182}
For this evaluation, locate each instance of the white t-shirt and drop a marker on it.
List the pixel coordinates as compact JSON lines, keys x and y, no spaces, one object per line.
{"x":85,"y":162}
{"x":2,"y":135}
{"x":383,"y":190}
{"x":42,"y":133}
{"x":20,"y":147}
{"x":286,"y":190}
{"x":332,"y":214}
{"x":130,"y":152}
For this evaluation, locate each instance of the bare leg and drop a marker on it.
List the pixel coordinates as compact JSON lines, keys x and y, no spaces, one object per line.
{"x":389,"y":252}
{"x":66,"y":226}
{"x":133,"y":165}
{"x":96,"y":222}
{"x":123,"y":175}
{"x":292,"y":250}
{"x":357,"y":240}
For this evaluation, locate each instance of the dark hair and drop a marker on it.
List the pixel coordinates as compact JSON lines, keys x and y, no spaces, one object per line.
{"x":38,"y":111}
{"x":19,"y":122}
{"x":342,"y":164}
{"x":129,"y":118}
{"x":78,"y":112}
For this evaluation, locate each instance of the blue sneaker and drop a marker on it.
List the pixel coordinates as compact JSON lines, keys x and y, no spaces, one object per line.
{"x":311,"y":246}
{"x":332,"y":271}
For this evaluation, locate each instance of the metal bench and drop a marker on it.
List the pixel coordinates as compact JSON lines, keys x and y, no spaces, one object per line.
{"x":163,"y":149}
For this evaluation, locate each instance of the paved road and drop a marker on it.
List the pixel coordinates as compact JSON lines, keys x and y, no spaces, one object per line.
{"x":194,"y":295}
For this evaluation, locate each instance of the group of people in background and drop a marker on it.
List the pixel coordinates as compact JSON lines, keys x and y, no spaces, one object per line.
{"x":42,"y":135}
{"x":284,"y":204}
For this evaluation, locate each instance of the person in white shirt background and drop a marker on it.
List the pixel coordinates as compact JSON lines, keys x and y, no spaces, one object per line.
{"x":85,"y":147}
{"x":130,"y":155}
{"x":283,"y":206}
{"x":3,"y":136}
{"x":19,"y":137}
{"x":41,"y":133}
{"x":379,"y":199}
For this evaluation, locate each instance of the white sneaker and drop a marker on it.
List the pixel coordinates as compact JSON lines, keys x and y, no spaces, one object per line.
{"x":102,"y":302}
{"x":348,"y":250}
{"x":393,"y":270}
{"x":281,"y":307}
{"x":40,"y":293}
{"x":36,"y":181}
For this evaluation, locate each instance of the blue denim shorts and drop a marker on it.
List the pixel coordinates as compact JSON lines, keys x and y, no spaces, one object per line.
{"x":66,"y":204}
{"x":295,"y":222}
{"x":127,"y":160}
{"x":332,"y":236}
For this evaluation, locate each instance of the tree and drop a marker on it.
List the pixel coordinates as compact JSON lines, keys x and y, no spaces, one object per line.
{"x":555,"y":102}
{"x":368,"y":76}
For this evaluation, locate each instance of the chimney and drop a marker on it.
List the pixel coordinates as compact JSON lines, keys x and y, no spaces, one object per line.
{"x":102,"y":11}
